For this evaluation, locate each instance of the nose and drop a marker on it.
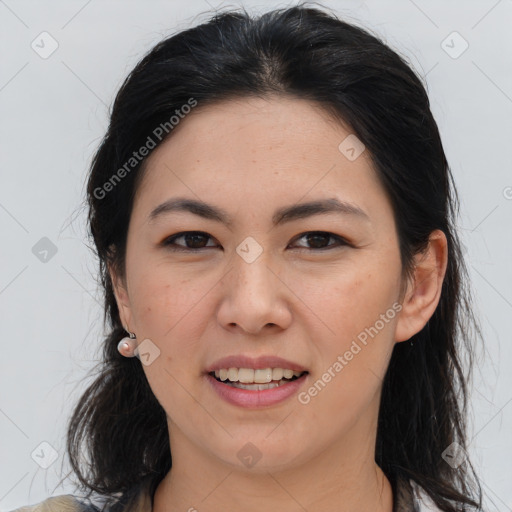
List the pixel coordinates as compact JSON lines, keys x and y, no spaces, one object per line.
{"x":255,"y":298}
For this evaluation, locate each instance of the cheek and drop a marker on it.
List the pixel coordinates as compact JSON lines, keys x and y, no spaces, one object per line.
{"x":165,"y":302}
{"x":169,"y":312}
{"x":353,"y":315}
{"x":349,"y":300}
{"x":352,"y":360}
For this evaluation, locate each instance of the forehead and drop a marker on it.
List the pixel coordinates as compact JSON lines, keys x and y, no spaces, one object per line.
{"x":248,"y":123}
{"x":255,"y":149}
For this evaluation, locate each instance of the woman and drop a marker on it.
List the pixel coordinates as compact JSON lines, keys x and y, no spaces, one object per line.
{"x":274,"y":216}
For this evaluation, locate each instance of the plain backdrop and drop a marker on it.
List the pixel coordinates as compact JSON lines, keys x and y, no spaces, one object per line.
{"x":53,"y":113}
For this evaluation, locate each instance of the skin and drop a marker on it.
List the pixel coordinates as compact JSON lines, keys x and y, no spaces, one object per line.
{"x":251,"y":156}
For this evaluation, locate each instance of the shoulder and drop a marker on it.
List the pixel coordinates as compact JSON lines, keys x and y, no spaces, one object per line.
{"x":63,"y":503}
{"x":136,"y":499}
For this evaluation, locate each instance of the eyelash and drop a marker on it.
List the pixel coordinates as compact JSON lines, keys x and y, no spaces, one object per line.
{"x":169,"y":242}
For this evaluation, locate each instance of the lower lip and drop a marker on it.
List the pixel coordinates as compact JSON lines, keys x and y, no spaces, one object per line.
{"x":257,"y":398}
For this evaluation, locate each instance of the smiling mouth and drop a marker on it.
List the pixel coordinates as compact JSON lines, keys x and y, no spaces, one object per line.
{"x":256,"y":386}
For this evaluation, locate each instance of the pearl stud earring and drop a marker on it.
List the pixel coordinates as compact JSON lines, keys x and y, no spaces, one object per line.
{"x":126,"y":346}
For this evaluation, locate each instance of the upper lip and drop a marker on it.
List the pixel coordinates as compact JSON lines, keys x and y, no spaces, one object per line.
{"x":257,"y":363}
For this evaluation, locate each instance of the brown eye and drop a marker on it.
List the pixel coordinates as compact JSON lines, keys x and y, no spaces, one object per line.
{"x":194,"y":240}
{"x":319,"y":240}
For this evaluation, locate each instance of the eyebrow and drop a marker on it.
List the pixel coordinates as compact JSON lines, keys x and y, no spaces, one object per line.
{"x":281,"y":215}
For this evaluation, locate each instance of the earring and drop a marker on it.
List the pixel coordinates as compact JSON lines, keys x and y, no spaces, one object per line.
{"x":126,"y":346}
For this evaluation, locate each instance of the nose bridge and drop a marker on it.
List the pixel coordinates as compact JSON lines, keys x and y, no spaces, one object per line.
{"x":253,"y":297}
{"x":252,"y":263}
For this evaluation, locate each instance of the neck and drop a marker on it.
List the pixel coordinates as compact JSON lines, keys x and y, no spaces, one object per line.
{"x":340,"y":479}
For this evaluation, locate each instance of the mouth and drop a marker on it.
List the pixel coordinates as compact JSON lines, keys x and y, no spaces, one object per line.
{"x":237,"y":386}
{"x":256,"y":380}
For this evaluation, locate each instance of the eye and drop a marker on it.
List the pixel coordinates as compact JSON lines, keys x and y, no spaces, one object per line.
{"x":195,"y":241}
{"x":195,"y":238}
{"x":318,"y":237}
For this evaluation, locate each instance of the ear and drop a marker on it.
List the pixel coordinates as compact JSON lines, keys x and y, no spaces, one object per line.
{"x":122,"y":300}
{"x":423,"y":293}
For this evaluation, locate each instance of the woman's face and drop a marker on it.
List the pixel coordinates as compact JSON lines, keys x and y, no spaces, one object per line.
{"x":326,"y":303}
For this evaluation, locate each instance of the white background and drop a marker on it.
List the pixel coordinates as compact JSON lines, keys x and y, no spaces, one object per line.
{"x":53,"y":113}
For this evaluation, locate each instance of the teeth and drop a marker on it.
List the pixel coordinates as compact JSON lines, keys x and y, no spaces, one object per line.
{"x":251,"y":376}
{"x":258,"y":387}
